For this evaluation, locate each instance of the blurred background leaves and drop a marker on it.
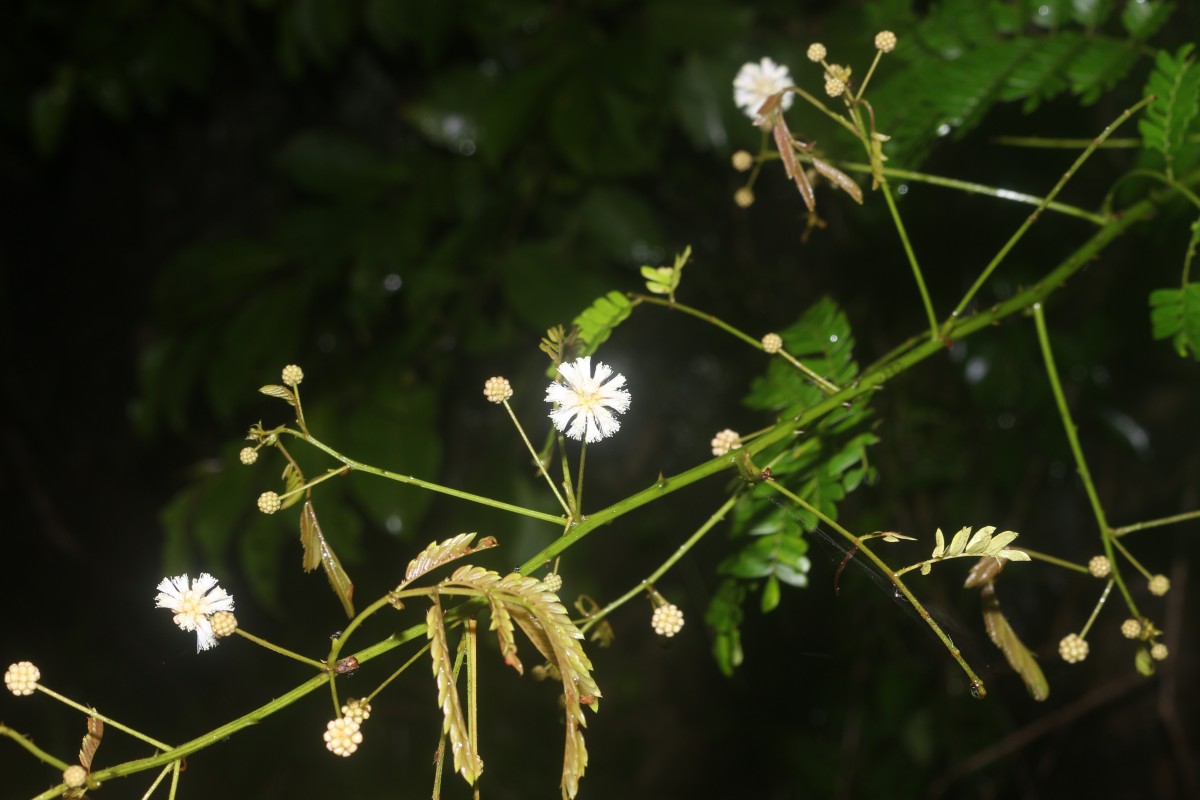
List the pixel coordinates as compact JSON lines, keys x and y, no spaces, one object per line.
{"x":401,"y":198}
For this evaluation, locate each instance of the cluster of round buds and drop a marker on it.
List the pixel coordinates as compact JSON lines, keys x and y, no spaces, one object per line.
{"x":292,"y":375}
{"x":75,"y":776}
{"x":1073,"y":648}
{"x":667,"y":620}
{"x":885,"y":41}
{"x":816,"y":52}
{"x":22,"y":678}
{"x":552,"y":582}
{"x":725,"y":441}
{"x":1159,"y":651}
{"x":1160,"y":585}
{"x":772,"y":343}
{"x":1099,"y":567}
{"x":356,"y":710}
{"x":224,"y":623}
{"x":248,"y":455}
{"x":744,"y":197}
{"x":742,"y":161}
{"x":497,"y":389}
{"x":342,"y":736}
{"x":1131,"y":629}
{"x":269,"y":502}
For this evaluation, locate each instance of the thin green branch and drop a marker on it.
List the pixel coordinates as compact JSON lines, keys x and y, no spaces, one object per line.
{"x":537,"y":459}
{"x":1155,"y":523}
{"x":1036,"y":214}
{"x":1095,"y":611}
{"x":283,"y":651}
{"x":433,"y":487}
{"x":970,"y":187}
{"x":977,"y":687}
{"x":1056,"y":561}
{"x":1051,"y":143}
{"x":91,"y":712}
{"x":38,"y":753}
{"x":1129,"y":557}
{"x":679,"y":553}
{"x":1081,"y":466}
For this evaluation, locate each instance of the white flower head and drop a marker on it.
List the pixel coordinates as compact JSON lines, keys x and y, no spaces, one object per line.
{"x":757,"y":82}
{"x":585,"y":402}
{"x":193,"y":604}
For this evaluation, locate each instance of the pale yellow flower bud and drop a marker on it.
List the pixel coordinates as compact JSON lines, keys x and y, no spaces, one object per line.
{"x":744,"y":197}
{"x":292,"y":375}
{"x":816,"y":52}
{"x":772,"y":343}
{"x":742,"y":161}
{"x":1073,"y":648}
{"x":269,"y":502}
{"x":248,"y":455}
{"x":497,"y":390}
{"x":885,"y":41}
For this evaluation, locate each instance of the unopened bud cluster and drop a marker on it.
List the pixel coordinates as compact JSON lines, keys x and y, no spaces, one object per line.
{"x":1099,"y":567}
{"x":22,"y":678}
{"x":667,"y":620}
{"x":725,"y":441}
{"x":1073,"y":648}
{"x":742,"y":161}
{"x":269,"y":502}
{"x":744,"y":197}
{"x":356,"y":710}
{"x":75,"y":776}
{"x":292,"y":375}
{"x":342,"y":736}
{"x":552,"y":582}
{"x":885,"y":41}
{"x":497,"y":389}
{"x":248,"y":455}
{"x":772,"y":343}
{"x":224,"y":623}
{"x":1160,"y":585}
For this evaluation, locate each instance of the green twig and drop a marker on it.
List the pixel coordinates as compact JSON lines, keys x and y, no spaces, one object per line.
{"x":283,"y":651}
{"x":679,"y":553}
{"x":38,"y":753}
{"x":977,"y":687}
{"x":1049,"y":559}
{"x":1037,"y":212}
{"x":1155,"y":523}
{"x":433,"y":487}
{"x":1081,"y":466}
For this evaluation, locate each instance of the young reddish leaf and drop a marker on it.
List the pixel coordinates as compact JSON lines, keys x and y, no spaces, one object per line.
{"x":317,"y":551}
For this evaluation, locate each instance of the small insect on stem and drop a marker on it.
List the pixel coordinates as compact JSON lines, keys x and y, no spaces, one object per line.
{"x":347,"y":666}
{"x":765,"y":475}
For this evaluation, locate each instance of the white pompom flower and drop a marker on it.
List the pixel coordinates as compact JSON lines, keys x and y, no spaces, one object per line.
{"x":585,"y":403}
{"x":757,"y":82}
{"x":194,"y":605}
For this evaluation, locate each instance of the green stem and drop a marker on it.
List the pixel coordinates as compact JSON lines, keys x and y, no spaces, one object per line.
{"x":698,"y":314}
{"x":1049,"y":559}
{"x":161,"y":776}
{"x":537,"y":460}
{"x":679,"y":553}
{"x":977,"y":687}
{"x":281,"y":650}
{"x":1155,"y":523}
{"x":1129,"y":557}
{"x":1037,"y":212}
{"x":1050,"y":143}
{"x":745,"y":337}
{"x":579,"y":483}
{"x":91,"y":712}
{"x":817,"y":104}
{"x":433,"y":487}
{"x":1081,"y":466}
{"x":1099,"y":605}
{"x":38,"y":753}
{"x":912,"y":258}
{"x":979,"y":188}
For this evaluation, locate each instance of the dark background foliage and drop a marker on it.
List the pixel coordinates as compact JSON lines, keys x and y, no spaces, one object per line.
{"x":401,"y":197}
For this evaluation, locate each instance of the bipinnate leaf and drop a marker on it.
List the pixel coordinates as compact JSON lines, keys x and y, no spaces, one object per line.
{"x":983,"y":543}
{"x":665,"y":280}
{"x":1019,"y":657}
{"x":438,"y":553}
{"x":282,"y":392}
{"x":91,"y":741}
{"x":317,"y":551}
{"x":1175,"y":84}
{"x":598,"y":320}
{"x":453,"y":725}
{"x":293,"y":481}
{"x":544,"y":619}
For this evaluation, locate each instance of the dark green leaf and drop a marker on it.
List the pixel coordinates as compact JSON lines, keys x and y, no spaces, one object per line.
{"x":1143,"y":19}
{"x":770,"y":595}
